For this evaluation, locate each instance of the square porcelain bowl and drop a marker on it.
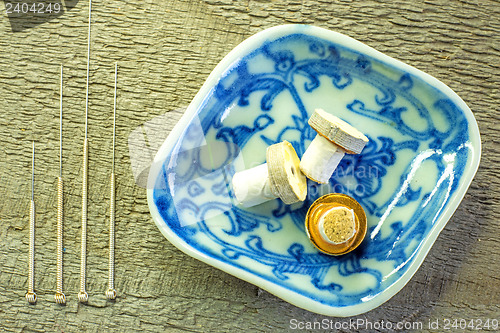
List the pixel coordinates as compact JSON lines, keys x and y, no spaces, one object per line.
{"x":423,"y":152}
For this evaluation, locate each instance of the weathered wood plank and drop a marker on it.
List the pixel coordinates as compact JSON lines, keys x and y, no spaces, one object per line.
{"x":165,"y":52}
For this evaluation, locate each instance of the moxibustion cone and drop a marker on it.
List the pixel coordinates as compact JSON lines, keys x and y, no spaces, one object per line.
{"x":287,"y":181}
{"x":336,"y":224}
{"x":335,"y":138}
{"x":280,"y":177}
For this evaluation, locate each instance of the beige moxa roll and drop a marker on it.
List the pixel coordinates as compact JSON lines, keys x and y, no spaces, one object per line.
{"x":337,"y":225}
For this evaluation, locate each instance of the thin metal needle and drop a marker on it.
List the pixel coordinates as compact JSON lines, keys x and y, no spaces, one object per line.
{"x":59,"y":296}
{"x":114,"y":119}
{"x":60,"y":122}
{"x":33,"y":173}
{"x":111,"y":292}
{"x":31,"y":295}
{"x":82,"y":294}
{"x":88,"y":70}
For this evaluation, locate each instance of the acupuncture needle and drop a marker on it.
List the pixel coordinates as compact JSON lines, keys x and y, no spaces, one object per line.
{"x":59,"y":296}
{"x":31,"y":295}
{"x":111,"y":292}
{"x":82,"y":294}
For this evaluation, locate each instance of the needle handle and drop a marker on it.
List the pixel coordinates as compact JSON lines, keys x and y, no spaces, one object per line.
{"x":111,"y":292}
{"x":82,"y":295}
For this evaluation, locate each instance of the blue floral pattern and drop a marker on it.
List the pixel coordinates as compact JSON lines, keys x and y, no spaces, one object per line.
{"x":409,"y":136}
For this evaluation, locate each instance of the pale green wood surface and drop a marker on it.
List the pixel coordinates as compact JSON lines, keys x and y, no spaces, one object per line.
{"x":165,"y":50}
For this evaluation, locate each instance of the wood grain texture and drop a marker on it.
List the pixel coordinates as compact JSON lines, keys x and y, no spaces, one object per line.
{"x":165,"y":51}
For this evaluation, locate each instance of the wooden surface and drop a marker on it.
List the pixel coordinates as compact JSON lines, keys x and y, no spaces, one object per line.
{"x":165,"y":50}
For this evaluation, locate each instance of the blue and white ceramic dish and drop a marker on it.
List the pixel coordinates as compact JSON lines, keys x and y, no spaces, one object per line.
{"x":423,"y":152}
